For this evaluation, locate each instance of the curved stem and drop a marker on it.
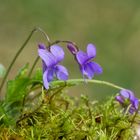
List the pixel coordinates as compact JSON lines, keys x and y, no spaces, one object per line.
{"x":65,"y":41}
{"x":45,"y":35}
{"x":73,"y":82}
{"x":37,"y":58}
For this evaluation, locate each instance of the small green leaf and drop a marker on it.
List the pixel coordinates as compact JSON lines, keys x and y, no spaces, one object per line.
{"x":2,"y":70}
{"x":37,"y":78}
{"x":38,"y":75}
{"x":16,"y":91}
{"x":17,"y":88}
{"x":22,"y":71}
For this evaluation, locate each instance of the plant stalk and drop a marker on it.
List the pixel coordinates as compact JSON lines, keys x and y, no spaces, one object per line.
{"x":72,"y":82}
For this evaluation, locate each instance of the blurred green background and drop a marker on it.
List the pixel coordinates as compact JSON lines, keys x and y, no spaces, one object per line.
{"x":113,"y":26}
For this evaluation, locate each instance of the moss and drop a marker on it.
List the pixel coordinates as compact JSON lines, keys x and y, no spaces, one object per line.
{"x":65,"y":118}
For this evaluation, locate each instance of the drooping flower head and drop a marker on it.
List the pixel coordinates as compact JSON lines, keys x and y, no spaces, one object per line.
{"x":50,"y":59}
{"x":87,"y":66}
{"x":127,"y":98}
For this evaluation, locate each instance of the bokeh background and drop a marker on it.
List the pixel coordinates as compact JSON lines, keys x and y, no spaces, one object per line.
{"x":113,"y":26}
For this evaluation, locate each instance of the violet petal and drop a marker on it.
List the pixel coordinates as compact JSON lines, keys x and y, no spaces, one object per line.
{"x":81,"y":57}
{"x":96,"y":67}
{"x":132,"y":110}
{"x":44,"y":67}
{"x":89,"y":70}
{"x":91,"y":50}
{"x":61,"y":72}
{"x":45,"y":80}
{"x":58,"y":52}
{"x":119,"y":99}
{"x":47,"y":57}
{"x":50,"y":74}
{"x":136,"y":103}
{"x":125,"y":93}
{"x":42,"y":46}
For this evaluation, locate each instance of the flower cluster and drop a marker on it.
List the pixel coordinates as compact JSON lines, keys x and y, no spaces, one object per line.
{"x":126,"y":98}
{"x":52,"y":56}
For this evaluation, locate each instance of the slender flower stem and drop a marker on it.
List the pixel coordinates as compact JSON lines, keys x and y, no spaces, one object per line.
{"x":72,"y":82}
{"x":20,"y":50}
{"x":33,"y":66}
{"x":57,"y":92}
{"x":45,"y":35}
{"x":37,"y":58}
{"x":65,"y":41}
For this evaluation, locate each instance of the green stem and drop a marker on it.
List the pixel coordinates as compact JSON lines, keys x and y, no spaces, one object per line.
{"x":45,"y":35}
{"x":33,"y":66}
{"x":73,"y":82}
{"x":37,"y":58}
{"x":58,"y":91}
{"x":65,"y":41}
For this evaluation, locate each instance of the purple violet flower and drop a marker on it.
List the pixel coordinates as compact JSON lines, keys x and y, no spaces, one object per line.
{"x":87,"y":66}
{"x":50,"y":59}
{"x":126,"y":98}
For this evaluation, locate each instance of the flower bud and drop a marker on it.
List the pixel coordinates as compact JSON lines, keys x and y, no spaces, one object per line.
{"x":72,"y":48}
